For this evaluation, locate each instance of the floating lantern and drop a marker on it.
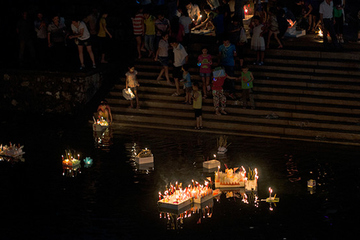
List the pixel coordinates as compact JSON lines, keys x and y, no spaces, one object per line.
{"x":144,"y":156}
{"x":88,"y":162}
{"x":100,"y":124}
{"x":230,"y":178}
{"x":71,"y":165}
{"x":251,"y":181}
{"x":13,"y":150}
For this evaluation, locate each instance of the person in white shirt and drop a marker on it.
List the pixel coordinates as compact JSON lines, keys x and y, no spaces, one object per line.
{"x":327,"y":22}
{"x":180,"y":58}
{"x":82,"y":38}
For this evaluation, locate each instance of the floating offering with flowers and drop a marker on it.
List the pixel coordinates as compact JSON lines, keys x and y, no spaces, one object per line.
{"x":144,"y":156}
{"x":70,"y":160}
{"x":230,"y":178}
{"x":12,"y":150}
{"x":88,"y":161}
{"x":100,"y":124}
{"x":251,"y":182}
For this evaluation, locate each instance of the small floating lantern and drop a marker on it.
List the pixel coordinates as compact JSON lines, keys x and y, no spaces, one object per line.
{"x":271,"y":199}
{"x":71,"y":165}
{"x":13,"y":150}
{"x":144,"y":156}
{"x":100,"y":124}
{"x":251,"y":181}
{"x":211,"y":164}
{"x":222,"y":144}
{"x":88,"y":162}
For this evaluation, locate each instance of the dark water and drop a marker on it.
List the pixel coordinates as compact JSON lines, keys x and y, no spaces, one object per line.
{"x":115,"y":199}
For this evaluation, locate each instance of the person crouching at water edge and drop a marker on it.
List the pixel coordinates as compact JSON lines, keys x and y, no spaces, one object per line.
{"x":104,"y":111}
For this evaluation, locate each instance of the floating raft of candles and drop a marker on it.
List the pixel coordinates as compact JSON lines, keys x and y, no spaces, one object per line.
{"x":177,"y":198}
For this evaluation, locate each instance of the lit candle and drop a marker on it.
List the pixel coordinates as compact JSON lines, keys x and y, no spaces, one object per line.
{"x":78,"y":156}
{"x":62,"y":157}
{"x":270,"y":191}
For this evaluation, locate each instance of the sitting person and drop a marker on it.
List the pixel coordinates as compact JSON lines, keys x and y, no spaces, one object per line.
{"x":104,"y":111}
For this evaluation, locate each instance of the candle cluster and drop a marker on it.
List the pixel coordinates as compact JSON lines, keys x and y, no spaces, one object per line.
{"x":176,"y":194}
{"x":101,"y":121}
{"x":70,"y":159}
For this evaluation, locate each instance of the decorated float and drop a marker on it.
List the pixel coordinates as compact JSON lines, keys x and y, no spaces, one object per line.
{"x":100,"y":124}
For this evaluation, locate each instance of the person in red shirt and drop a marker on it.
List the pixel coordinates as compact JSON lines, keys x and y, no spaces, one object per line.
{"x":219,"y":98}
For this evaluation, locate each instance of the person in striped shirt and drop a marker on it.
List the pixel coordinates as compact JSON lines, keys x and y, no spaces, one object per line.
{"x":139,"y":30}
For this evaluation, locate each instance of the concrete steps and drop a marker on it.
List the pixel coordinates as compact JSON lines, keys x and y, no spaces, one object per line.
{"x":313,"y":95}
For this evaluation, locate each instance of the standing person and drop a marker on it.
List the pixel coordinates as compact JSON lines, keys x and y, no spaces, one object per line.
{"x":149,"y":22}
{"x":219,"y":24}
{"x":162,"y":55}
{"x":82,"y":36}
{"x":257,"y":41}
{"x":104,"y":35}
{"x":327,"y":22}
{"x":188,"y":84}
{"x":162,"y":25}
{"x":219,"y":98}
{"x":247,"y":79}
{"x":139,"y":30}
{"x":40,"y":26}
{"x":339,"y":6}
{"x":205,"y":62}
{"x":180,"y":58}
{"x":25,"y":31}
{"x":186,"y":21}
{"x":227,"y":54}
{"x":273,"y":28}
{"x":92,"y":21}
{"x":132,"y":83}
{"x":56,"y":40}
{"x":197,"y":105}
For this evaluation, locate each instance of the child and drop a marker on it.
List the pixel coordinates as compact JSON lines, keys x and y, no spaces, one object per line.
{"x":104,"y":111}
{"x":187,"y":84}
{"x":217,"y":90}
{"x":274,"y":28}
{"x":132,"y":83}
{"x":257,"y":41}
{"x":247,"y":79}
{"x":205,"y":62}
{"x":197,"y":105}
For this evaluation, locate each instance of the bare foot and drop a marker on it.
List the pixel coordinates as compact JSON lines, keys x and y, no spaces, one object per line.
{"x":223,"y":112}
{"x":217,"y":113}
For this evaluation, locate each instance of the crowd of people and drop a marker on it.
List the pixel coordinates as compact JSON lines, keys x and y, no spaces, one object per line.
{"x":45,"y":40}
{"x":157,"y":34}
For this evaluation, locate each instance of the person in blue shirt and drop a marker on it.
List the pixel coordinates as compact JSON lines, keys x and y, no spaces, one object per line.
{"x":227,"y":54}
